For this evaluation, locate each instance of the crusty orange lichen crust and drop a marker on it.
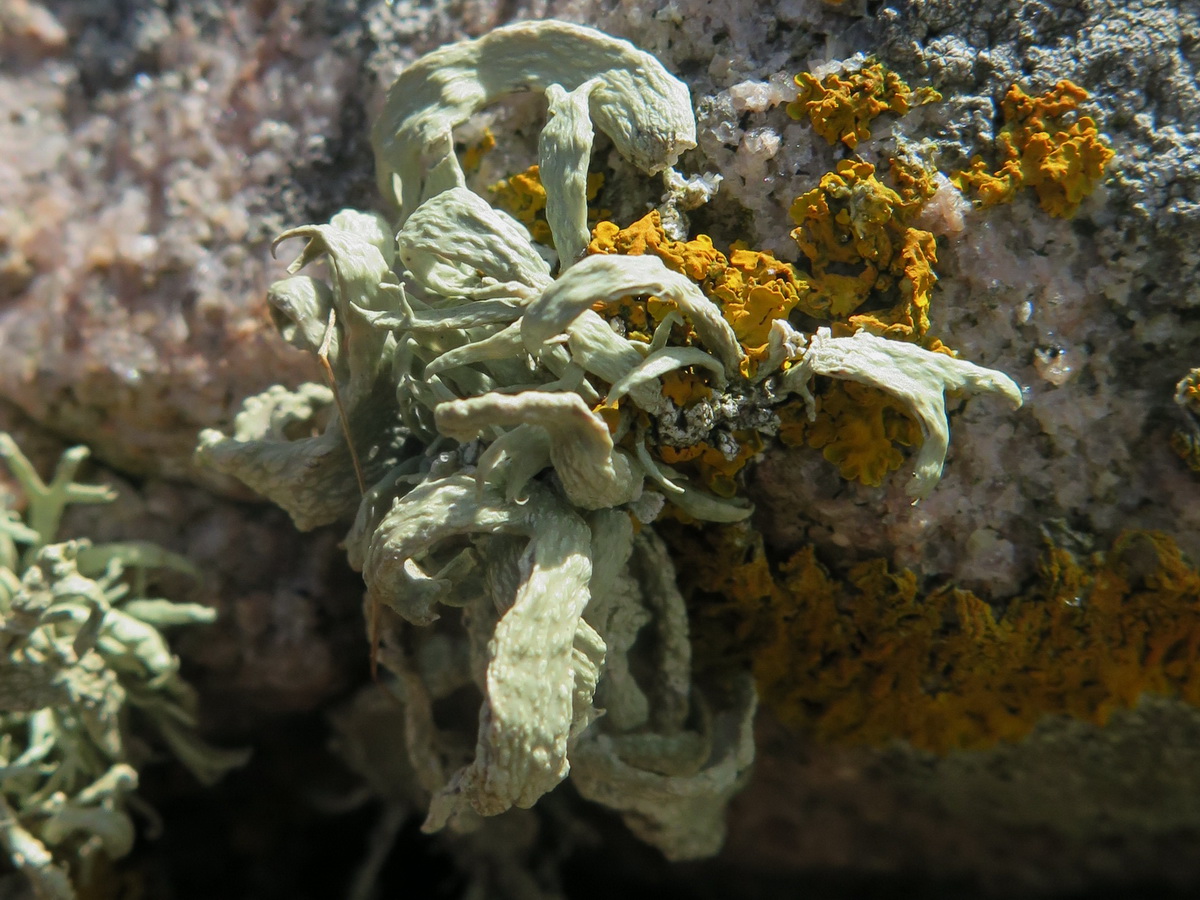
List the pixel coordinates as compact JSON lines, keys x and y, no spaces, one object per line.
{"x":860,"y":429}
{"x":854,"y":221}
{"x":868,"y":654}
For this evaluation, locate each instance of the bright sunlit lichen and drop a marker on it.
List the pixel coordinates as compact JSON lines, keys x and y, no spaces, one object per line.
{"x":841,"y":106}
{"x":1041,"y":147}
{"x":752,"y":288}
{"x":851,"y":220}
{"x":513,"y":406}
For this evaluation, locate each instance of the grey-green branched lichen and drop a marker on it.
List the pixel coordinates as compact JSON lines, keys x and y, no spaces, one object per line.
{"x":502,"y":430}
{"x":81,"y":646}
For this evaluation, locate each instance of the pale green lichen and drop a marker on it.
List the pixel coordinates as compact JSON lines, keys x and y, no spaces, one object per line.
{"x":505,"y":430}
{"x":914,"y":376}
{"x":79,"y":646}
{"x":629,"y":96}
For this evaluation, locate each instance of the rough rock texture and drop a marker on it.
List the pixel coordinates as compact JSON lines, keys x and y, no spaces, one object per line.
{"x":149,"y":159}
{"x":149,"y":151}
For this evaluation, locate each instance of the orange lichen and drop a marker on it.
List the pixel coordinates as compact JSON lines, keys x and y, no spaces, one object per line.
{"x":716,"y":471}
{"x":753,"y":288}
{"x":694,"y":258}
{"x":842,"y":106}
{"x":610,"y":413}
{"x":858,"y":428}
{"x":854,"y":231}
{"x":473,"y":156}
{"x":868,"y":656}
{"x":915,"y":181}
{"x":523,"y":196}
{"x":685,"y":388}
{"x":1186,"y":441}
{"x":1039,"y":149}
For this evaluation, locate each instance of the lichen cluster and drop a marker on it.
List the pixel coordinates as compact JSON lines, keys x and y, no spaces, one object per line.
{"x":504,"y":425}
{"x":81,"y":650}
{"x":842,"y":105}
{"x":871,"y":267}
{"x":857,"y":235}
{"x":1045,"y":146}
{"x":868,"y":654}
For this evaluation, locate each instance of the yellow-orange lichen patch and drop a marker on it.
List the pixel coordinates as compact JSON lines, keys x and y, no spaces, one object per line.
{"x":753,"y":290}
{"x":610,"y":413}
{"x":841,"y":106}
{"x":752,"y":287}
{"x":685,"y":387}
{"x":716,"y":471}
{"x":915,"y":182}
{"x":1185,"y":441}
{"x":473,"y":155}
{"x":853,"y":230}
{"x":869,"y":656}
{"x":1038,"y":148}
{"x":858,"y":428}
{"x":694,"y":258}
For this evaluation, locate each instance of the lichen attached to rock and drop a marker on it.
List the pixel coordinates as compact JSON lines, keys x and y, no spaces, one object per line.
{"x":867,"y":654}
{"x":519,"y":414}
{"x":841,"y":106}
{"x":1042,"y":145}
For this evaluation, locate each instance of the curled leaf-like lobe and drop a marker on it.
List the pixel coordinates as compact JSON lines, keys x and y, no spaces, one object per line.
{"x":609,"y":277}
{"x":532,"y":689}
{"x":359,"y":269}
{"x":456,"y":240}
{"x":594,"y":474}
{"x":644,"y":109}
{"x":919,"y":378}
{"x":681,"y":812}
{"x":564,"y":151}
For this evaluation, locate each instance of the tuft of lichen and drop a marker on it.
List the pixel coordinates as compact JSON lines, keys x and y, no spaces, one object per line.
{"x":517,"y":406}
{"x":1045,"y":146}
{"x":81,"y":646}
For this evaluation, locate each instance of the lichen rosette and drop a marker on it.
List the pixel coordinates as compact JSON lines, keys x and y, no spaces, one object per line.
{"x":508,"y":436}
